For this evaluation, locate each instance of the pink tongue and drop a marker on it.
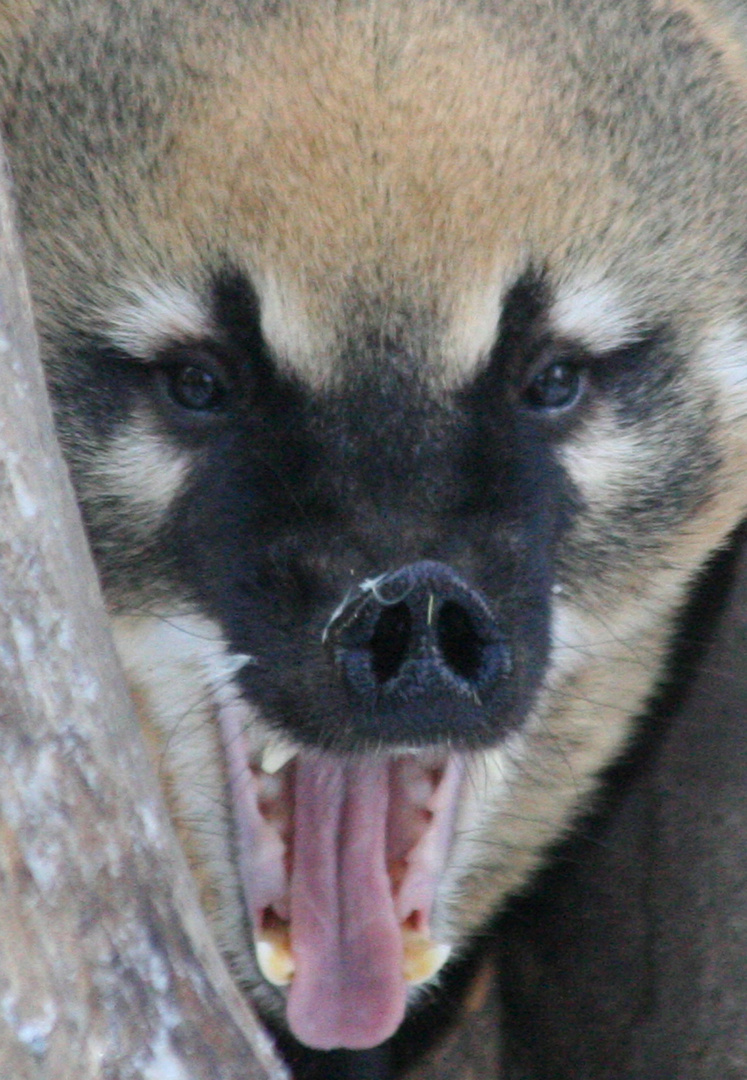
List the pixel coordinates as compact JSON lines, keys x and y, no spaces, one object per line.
{"x":348,"y":988}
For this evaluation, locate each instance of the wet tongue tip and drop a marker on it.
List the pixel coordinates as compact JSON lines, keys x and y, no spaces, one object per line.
{"x":359,"y":1017}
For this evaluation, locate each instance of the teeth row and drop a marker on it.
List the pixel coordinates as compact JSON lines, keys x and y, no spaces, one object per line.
{"x":422,"y":957}
{"x":278,"y":753}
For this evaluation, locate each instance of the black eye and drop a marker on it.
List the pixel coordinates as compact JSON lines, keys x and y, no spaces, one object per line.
{"x":194,"y":388}
{"x":558,"y":386}
{"x":195,"y":380}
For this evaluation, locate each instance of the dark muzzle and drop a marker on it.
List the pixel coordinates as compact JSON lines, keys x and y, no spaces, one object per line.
{"x":420,"y":652}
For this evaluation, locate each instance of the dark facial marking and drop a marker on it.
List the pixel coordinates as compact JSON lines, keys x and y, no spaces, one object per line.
{"x":308,"y":494}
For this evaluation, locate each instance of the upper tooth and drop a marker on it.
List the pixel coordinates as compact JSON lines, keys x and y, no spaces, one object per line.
{"x":275,"y":756}
{"x":422,"y":957}
{"x":234,"y":662}
{"x":273,"y":950}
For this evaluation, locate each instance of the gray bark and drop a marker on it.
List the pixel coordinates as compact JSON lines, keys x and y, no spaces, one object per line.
{"x":107,"y":968}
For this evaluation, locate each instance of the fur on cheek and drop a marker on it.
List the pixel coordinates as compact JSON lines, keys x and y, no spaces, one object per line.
{"x":180,"y":670}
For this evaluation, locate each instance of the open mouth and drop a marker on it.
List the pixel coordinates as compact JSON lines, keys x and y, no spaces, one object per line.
{"x":339,"y":861}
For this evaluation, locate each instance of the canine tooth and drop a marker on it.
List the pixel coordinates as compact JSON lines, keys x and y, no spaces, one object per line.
{"x":275,"y":756}
{"x":422,"y":957}
{"x":274,"y":956}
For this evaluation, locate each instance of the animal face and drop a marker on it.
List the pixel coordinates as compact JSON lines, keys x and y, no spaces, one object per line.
{"x":398,"y":353}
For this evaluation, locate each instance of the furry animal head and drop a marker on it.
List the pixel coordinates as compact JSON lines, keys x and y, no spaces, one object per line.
{"x":398,"y":351}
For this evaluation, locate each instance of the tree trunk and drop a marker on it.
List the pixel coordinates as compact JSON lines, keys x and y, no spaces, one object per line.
{"x":107,"y":967}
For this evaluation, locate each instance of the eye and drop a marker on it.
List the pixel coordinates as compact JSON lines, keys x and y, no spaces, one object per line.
{"x":194,"y":381}
{"x":195,"y":388}
{"x":557,"y":387}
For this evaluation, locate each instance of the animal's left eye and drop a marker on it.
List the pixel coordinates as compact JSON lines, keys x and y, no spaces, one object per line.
{"x":557,"y":387}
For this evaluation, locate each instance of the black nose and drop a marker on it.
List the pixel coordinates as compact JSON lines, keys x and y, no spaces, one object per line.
{"x":420,"y":649}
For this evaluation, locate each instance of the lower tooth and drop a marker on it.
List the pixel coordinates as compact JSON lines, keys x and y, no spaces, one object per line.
{"x":422,"y":957}
{"x":274,"y":955}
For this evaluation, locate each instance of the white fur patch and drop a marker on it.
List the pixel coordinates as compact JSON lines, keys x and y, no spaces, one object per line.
{"x":581,"y":636}
{"x":596,"y":314}
{"x":142,"y":468}
{"x":180,"y":667}
{"x":288,"y":330}
{"x":725,"y":356}
{"x":602,"y":457}
{"x":475,"y":321}
{"x":153,"y":316}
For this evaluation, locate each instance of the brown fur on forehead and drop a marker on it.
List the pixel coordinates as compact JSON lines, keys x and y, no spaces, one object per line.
{"x":401,"y":160}
{"x":416,"y":156}
{"x":381,"y":152}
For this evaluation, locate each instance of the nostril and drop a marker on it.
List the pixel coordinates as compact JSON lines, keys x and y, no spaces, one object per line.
{"x":435,"y":644}
{"x":458,"y":640}
{"x":390,"y":641}
{"x":422,"y":656}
